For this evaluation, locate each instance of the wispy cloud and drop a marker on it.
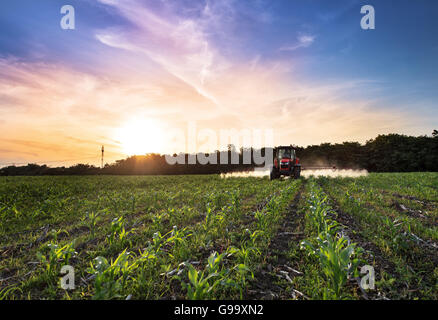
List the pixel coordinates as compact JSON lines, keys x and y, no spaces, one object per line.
{"x":179,"y":44}
{"x":303,"y":41}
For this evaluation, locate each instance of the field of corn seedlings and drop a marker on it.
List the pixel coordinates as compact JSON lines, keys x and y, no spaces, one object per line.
{"x":207,"y":237}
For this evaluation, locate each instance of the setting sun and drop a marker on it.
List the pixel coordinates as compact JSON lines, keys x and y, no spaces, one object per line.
{"x":138,"y":137}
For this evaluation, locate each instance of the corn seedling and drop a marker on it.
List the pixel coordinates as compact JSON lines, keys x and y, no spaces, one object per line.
{"x":111,"y":277}
{"x":202,"y":284}
{"x":117,"y":231}
{"x":52,"y":255}
{"x":91,"y":219}
{"x":337,"y":259}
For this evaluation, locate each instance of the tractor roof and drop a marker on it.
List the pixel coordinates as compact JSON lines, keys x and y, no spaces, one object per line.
{"x":286,"y":147}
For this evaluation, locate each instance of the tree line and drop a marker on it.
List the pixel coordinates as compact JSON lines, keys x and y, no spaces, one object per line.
{"x":386,"y":153}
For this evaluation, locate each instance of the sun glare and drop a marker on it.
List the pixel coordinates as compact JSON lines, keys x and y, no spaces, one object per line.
{"x":138,"y":137}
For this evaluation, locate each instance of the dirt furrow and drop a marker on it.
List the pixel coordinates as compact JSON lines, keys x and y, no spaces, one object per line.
{"x":277,"y":264}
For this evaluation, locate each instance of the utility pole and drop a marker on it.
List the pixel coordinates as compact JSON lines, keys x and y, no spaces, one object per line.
{"x":103,"y":150}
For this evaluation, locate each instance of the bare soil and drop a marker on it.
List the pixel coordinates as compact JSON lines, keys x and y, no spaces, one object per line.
{"x":277,"y":265}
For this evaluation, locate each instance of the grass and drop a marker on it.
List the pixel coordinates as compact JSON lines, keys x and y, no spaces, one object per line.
{"x":207,"y":237}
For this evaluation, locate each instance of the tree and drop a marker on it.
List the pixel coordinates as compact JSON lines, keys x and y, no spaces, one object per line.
{"x":435,"y":133}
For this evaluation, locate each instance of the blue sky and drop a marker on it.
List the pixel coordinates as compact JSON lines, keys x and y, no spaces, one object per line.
{"x":242,"y":64}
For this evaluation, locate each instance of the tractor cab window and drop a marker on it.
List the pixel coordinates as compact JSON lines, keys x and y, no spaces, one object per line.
{"x":286,"y":153}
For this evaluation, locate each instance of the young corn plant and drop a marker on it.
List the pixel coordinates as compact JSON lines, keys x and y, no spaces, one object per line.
{"x":322,"y":223}
{"x":158,"y":241}
{"x":397,"y":237}
{"x":318,"y":212}
{"x":91,"y":219}
{"x":244,"y":255}
{"x":248,"y":249}
{"x":158,"y":218}
{"x":202,"y":284}
{"x":118,"y":232}
{"x":235,"y":201}
{"x":111,"y":277}
{"x":146,"y":256}
{"x":178,"y":239}
{"x":52,"y":255}
{"x":243,"y":274}
{"x":209,"y":219}
{"x":338,"y":260}
{"x":262,"y":219}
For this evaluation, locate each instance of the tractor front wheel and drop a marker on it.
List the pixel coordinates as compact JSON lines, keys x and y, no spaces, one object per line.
{"x":274,"y":174}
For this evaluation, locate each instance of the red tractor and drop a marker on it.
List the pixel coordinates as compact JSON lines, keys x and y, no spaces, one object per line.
{"x":286,"y":163}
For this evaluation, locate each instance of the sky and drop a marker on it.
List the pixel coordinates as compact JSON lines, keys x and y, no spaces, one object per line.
{"x":135,"y":75}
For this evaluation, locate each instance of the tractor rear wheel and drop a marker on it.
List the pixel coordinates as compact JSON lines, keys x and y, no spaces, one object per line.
{"x":297,"y":172}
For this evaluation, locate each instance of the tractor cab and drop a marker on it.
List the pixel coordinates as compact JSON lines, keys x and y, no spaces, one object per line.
{"x":285,"y":153}
{"x":285,"y":163}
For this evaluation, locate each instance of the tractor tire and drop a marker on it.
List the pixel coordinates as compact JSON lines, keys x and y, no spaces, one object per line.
{"x":274,"y":175}
{"x":297,"y":172}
